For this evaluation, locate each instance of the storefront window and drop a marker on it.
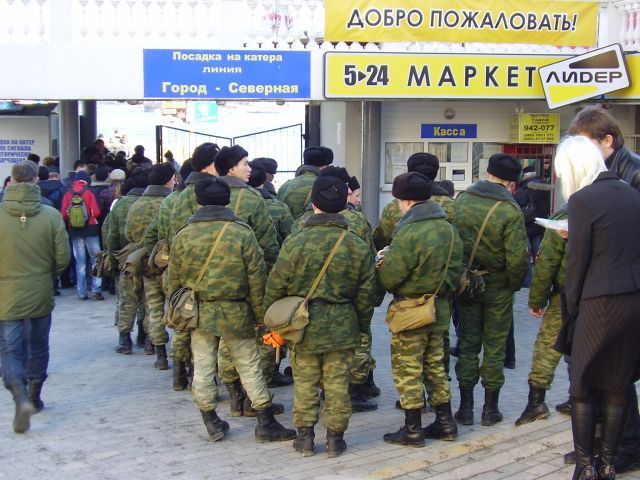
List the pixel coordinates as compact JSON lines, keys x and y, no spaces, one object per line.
{"x":450,"y":151}
{"x":481,"y":152}
{"x":395,"y":157}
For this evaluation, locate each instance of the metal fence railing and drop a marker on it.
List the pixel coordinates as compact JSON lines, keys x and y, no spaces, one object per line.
{"x":181,"y":142}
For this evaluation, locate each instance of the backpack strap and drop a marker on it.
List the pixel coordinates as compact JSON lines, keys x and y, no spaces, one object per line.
{"x":446,"y":267}
{"x":237,"y":205}
{"x":307,"y":198}
{"x":325,"y":266}
{"x":206,"y":264}
{"x":484,"y":225}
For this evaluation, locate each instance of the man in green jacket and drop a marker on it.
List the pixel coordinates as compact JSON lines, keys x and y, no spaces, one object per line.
{"x":229,"y":300}
{"x":545,"y":301}
{"x":340,"y":311}
{"x":36,"y":250}
{"x":296,"y":193}
{"x":425,"y":257}
{"x":148,"y":284}
{"x":485,"y":319}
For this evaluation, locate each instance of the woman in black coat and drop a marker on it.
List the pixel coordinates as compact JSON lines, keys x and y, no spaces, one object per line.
{"x":602,"y":299}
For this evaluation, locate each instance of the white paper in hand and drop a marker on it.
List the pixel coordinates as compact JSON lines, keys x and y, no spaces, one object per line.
{"x":553,"y":224}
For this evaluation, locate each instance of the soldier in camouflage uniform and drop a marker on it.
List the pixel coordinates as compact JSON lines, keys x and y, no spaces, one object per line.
{"x":149,"y":284}
{"x":247,"y":204}
{"x":428,"y":165}
{"x":296,"y":192}
{"x":502,"y":252}
{"x":425,"y":257}
{"x":340,"y":311}
{"x":116,"y":240}
{"x":229,"y":303}
{"x":545,"y":302}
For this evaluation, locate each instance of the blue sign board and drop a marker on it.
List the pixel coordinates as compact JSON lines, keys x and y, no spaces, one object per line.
{"x":449,"y":130}
{"x":227,"y":74}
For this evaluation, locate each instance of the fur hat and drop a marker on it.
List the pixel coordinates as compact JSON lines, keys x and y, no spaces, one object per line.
{"x":258,"y":175}
{"x":212,"y":191}
{"x":504,"y":167}
{"x":424,"y":163}
{"x":411,"y":186}
{"x":229,"y":157}
{"x":161,"y":173}
{"x":329,"y":194}
{"x":318,"y":156}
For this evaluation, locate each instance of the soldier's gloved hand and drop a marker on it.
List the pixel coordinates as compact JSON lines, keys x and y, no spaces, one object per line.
{"x":273,"y":339}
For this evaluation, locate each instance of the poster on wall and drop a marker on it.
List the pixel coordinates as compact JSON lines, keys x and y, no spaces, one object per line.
{"x":20,"y":136}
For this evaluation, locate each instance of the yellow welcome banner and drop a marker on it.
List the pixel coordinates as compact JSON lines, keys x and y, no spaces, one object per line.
{"x":565,"y":23}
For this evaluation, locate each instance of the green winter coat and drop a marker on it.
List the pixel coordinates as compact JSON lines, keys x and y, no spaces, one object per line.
{"x":141,"y":211}
{"x":230,"y":294}
{"x":116,"y":236}
{"x":35,"y":250}
{"x":503,"y":246}
{"x":280,"y":215}
{"x":253,"y":211}
{"x":346,"y":290}
{"x":159,"y":227}
{"x":414,"y":264}
{"x":184,"y":206}
{"x":296,"y":193}
{"x":551,"y":266}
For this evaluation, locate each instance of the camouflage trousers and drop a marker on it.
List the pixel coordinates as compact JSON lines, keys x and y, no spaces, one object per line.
{"x":363,"y":361}
{"x":131,"y":303}
{"x":181,"y":346}
{"x":484,"y":325}
{"x":244,"y":354}
{"x":329,"y":371}
{"x":267,"y":354}
{"x":545,"y":357}
{"x":417,"y":359}
{"x":154,"y":296}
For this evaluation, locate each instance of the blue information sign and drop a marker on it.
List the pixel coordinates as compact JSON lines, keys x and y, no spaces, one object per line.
{"x":449,"y":130}
{"x":227,"y":74}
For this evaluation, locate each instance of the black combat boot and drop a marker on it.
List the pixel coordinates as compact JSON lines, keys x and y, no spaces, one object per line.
{"x":564,"y":407}
{"x":613,"y":426}
{"x":304,"y":441}
{"x":411,"y":433}
{"x":149,"y":349}
{"x":359,"y":402}
{"x":335,"y":443}
{"x":583,"y":425}
{"x":444,"y":427}
{"x":141,"y":338}
{"x":34,"y":388}
{"x":278,"y":379}
{"x":236,"y":397}
{"x":490,"y":413}
{"x":216,"y":428}
{"x":180,"y":380}
{"x":24,"y":408}
{"x":464,"y":415}
{"x":161,"y":362}
{"x":269,"y":430}
{"x":125,"y":345}
{"x":369,"y":388}
{"x":536,"y":408}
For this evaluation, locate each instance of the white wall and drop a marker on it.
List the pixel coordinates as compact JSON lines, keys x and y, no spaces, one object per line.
{"x":29,"y":134}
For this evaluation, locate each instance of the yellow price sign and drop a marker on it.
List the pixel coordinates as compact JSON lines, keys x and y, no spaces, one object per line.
{"x":405,"y":75}
{"x":534,"y":128}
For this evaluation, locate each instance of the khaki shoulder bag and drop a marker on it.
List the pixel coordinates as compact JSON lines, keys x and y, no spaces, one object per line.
{"x":412,"y":313}
{"x":182,"y":313}
{"x":471,"y":281}
{"x":290,"y":315}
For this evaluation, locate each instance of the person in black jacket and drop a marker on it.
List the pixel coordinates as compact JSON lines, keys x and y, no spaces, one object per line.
{"x":602,"y":292}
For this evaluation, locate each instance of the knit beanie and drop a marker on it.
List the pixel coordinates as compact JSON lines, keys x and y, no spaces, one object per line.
{"x":318,"y":156}
{"x":411,"y":186}
{"x":424,"y":163}
{"x":229,"y":157}
{"x":329,"y":194}
{"x":212,"y":191}
{"x":504,"y":167}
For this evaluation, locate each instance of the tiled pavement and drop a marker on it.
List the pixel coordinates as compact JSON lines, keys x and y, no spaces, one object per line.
{"x":110,"y":416}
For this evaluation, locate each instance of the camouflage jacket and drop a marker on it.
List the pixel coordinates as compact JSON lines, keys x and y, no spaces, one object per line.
{"x":142,"y":211}
{"x":391,"y":216}
{"x":280,"y":215}
{"x":231,"y":291}
{"x":296,"y":193}
{"x":251,"y":209}
{"x":503,"y":246}
{"x":551,"y":265}
{"x":345,"y":293}
{"x":415,"y":261}
{"x":159,"y":227}
{"x":116,"y":237}
{"x":184,"y":205}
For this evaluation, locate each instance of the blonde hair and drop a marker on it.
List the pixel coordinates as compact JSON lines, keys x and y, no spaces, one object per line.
{"x":578,"y":163}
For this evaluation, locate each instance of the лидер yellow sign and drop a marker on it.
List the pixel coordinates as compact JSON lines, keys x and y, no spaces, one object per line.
{"x":572,"y":23}
{"x":534,"y":128}
{"x":404,"y":75}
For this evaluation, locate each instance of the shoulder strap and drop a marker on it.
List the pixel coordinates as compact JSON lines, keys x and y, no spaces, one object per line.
{"x":306,"y":200}
{"x":484,"y":225}
{"x":325,"y":266}
{"x":213,"y":249}
{"x":446,"y":268}
{"x":237,"y":205}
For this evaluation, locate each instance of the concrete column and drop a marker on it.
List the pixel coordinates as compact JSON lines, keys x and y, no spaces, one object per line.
{"x":89,"y":130}
{"x":371,"y":161}
{"x":69,"y":135}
